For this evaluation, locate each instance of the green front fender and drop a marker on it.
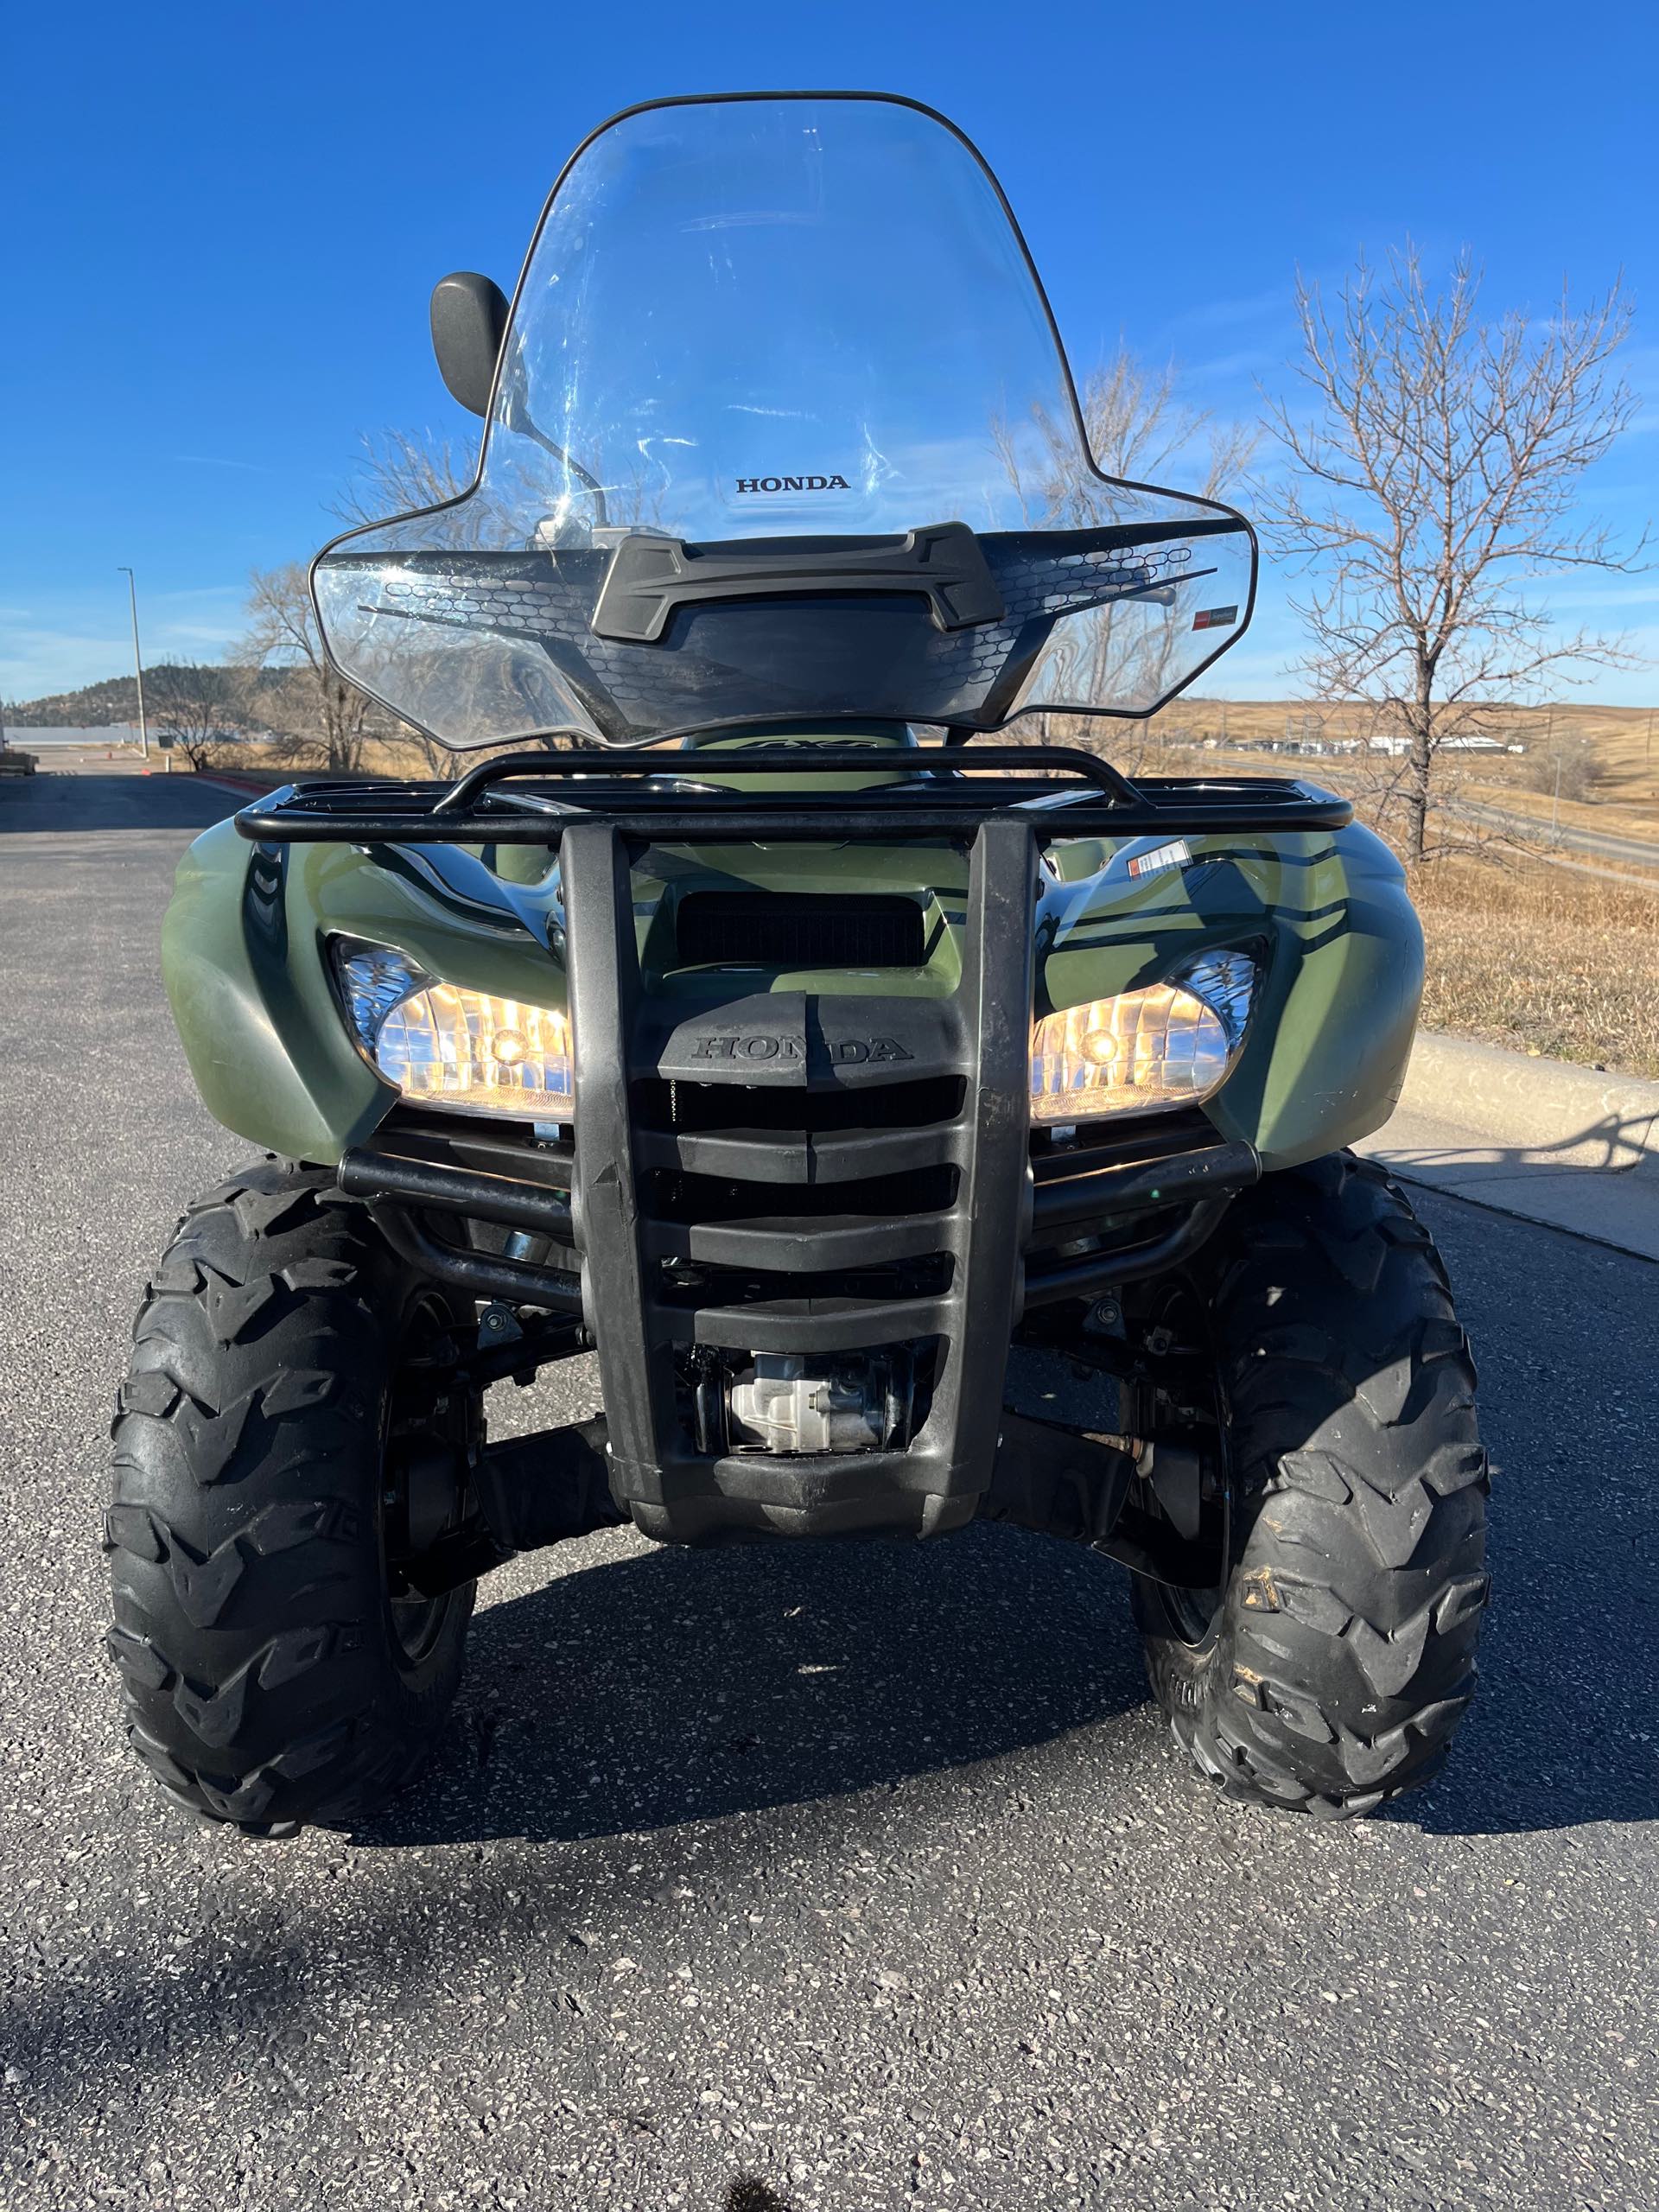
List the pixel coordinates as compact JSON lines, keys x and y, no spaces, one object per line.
{"x":1341,"y":954}
{"x":245,"y":961}
{"x":1327,"y":1050}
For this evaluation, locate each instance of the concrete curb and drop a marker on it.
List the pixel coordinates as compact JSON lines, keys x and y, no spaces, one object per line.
{"x":1540,"y":1139}
{"x":1549,"y":1110}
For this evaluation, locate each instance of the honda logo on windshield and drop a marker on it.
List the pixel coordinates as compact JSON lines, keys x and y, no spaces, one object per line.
{"x":793,"y":484}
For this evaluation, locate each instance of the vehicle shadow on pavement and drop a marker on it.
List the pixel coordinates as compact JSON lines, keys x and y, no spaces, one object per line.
{"x":1564,"y":1731}
{"x":60,"y":804}
{"x":665,"y":1686}
{"x":652,"y":1689}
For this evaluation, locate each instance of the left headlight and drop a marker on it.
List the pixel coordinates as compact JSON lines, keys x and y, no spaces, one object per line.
{"x":447,"y":1047}
{"x":1171,"y":1043}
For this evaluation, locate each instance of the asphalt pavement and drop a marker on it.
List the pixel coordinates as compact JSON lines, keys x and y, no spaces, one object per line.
{"x":117,"y":794}
{"x":832,"y":1877}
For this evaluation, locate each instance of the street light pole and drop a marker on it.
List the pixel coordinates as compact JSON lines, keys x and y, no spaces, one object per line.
{"x":137,"y":657}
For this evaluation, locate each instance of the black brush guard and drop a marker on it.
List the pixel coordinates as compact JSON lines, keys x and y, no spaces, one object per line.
{"x":920,"y":1088}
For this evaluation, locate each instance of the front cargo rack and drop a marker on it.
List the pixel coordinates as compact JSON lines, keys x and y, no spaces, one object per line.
{"x":531,"y":799}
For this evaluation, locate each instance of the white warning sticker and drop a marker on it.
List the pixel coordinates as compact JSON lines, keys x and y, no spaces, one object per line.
{"x":1176,"y":855}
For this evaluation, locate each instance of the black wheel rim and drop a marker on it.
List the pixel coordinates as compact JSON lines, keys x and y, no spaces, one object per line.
{"x":417,"y":1625}
{"x":1194,"y":1614}
{"x":421,"y":1412}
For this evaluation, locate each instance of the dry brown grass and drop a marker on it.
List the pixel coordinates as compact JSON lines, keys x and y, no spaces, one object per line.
{"x":1638,"y":820}
{"x":1543,"y":961}
{"x":1521,"y":952}
{"x":1626,"y":741}
{"x":381,"y":756}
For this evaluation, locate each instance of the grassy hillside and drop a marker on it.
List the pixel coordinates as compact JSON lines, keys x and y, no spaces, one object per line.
{"x":1543,"y":960}
{"x":1624,"y":737}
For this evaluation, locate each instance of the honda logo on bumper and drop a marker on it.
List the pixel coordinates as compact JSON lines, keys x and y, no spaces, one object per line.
{"x":847,"y":1052}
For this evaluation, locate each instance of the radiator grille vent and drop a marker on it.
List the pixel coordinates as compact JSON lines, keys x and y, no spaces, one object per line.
{"x":761,"y":929}
{"x":715,"y":1107}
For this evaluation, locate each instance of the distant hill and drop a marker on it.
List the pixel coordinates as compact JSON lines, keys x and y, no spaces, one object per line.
{"x":96,"y":706}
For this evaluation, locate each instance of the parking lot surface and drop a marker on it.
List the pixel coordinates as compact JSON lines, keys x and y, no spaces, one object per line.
{"x":818,"y":1877}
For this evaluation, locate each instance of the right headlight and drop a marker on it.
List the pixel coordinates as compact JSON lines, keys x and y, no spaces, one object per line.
{"x":445,"y":1046}
{"x":1171,"y":1043}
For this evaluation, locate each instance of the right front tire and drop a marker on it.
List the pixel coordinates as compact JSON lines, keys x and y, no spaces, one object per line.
{"x":282,"y":1432}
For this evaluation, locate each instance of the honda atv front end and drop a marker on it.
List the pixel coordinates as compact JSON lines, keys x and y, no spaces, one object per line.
{"x":918,"y":1129}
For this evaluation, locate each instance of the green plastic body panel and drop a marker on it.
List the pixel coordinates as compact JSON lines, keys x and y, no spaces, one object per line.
{"x":247,"y":966}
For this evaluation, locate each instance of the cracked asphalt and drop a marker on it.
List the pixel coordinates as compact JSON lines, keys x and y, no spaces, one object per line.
{"x":826,"y":1878}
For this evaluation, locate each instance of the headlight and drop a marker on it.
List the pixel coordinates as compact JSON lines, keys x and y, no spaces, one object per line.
{"x":1169,"y":1044}
{"x":449,"y":1047}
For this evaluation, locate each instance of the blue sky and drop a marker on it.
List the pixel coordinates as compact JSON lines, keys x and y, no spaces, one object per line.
{"x":221,"y":225}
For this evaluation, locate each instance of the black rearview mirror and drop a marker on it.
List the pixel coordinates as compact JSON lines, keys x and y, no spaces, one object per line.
{"x":469,"y":320}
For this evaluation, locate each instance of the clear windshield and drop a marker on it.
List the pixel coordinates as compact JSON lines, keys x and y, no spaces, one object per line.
{"x":782,"y":429}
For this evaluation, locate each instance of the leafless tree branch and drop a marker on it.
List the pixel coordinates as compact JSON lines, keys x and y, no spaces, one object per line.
{"x":309,"y":707}
{"x":399,"y":470}
{"x":196,"y":707}
{"x":1432,"y":479}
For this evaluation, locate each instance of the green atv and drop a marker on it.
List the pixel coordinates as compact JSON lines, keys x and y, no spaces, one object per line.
{"x":919,"y":1130}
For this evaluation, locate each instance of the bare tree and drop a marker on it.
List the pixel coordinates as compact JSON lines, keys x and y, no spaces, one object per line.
{"x":396,"y":473}
{"x":1138,"y":428}
{"x":1432,"y":486}
{"x":399,"y":470}
{"x":1566,"y":764}
{"x":196,"y":707}
{"x":313,"y":712}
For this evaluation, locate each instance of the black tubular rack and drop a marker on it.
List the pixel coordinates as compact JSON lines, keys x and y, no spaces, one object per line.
{"x":798,"y":1097}
{"x":531,"y":799}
